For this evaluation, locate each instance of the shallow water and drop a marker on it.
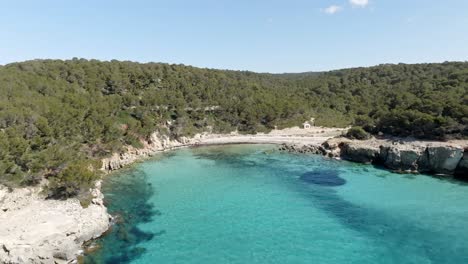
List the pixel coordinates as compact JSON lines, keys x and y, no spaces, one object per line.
{"x":251,"y":204}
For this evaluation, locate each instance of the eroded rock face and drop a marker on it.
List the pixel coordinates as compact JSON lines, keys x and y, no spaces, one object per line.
{"x":401,"y":159}
{"x":359,"y":153}
{"x":401,"y":156}
{"x":444,"y":159}
{"x":312,"y":149}
{"x":35,"y":230}
{"x":155,"y":144}
{"x":407,"y":157}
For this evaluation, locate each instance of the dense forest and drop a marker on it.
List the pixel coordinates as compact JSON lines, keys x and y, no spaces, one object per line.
{"x":59,"y":118}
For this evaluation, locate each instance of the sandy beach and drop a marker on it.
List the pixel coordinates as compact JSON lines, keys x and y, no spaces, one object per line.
{"x":294,"y":135}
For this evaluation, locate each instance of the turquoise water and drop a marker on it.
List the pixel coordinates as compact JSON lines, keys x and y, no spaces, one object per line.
{"x":251,"y":204}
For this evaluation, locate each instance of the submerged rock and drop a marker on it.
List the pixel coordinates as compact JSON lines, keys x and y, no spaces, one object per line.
{"x":323,"y":177}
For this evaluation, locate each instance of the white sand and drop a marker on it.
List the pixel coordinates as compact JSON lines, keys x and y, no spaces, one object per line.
{"x":295,"y":135}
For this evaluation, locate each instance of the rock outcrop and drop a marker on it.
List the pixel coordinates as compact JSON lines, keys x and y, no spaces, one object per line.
{"x":444,"y":160}
{"x":358,"y":153}
{"x":403,"y":158}
{"x":35,"y":230}
{"x":396,"y":155}
{"x":155,"y":144}
{"x":312,"y":149}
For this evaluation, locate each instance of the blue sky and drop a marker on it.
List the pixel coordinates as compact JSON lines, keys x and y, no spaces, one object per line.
{"x":257,"y":35}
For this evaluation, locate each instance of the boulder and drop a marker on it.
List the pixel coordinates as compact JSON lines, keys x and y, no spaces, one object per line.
{"x":360,"y":153}
{"x":444,"y":160}
{"x":332,"y":148}
{"x":401,"y":159}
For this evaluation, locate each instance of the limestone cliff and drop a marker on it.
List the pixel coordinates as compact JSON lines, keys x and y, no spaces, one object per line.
{"x":398,"y":155}
{"x":36,"y":230}
{"x":402,"y":157}
{"x":444,"y":160}
{"x":155,"y":144}
{"x":358,"y":153}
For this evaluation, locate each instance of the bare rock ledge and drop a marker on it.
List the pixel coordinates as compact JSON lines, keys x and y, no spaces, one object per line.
{"x":445,"y":158}
{"x":36,"y":230}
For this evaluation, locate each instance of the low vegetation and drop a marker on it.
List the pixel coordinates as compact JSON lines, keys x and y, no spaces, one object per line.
{"x":58,"y":118}
{"x":357,"y":132}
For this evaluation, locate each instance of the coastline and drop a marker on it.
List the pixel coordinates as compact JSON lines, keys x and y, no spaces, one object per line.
{"x":35,"y":230}
{"x":158,"y":143}
{"x":401,"y":155}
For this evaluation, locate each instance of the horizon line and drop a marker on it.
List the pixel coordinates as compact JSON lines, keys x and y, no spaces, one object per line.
{"x":238,"y":70}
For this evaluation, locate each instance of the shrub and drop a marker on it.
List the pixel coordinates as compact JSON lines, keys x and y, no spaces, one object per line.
{"x":357,"y":133}
{"x":74,"y":179}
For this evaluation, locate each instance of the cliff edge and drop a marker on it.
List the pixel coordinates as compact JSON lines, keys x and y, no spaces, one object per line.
{"x":36,"y":230}
{"x":399,"y":155}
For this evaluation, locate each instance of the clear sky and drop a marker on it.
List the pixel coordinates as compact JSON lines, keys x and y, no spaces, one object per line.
{"x":257,"y":35}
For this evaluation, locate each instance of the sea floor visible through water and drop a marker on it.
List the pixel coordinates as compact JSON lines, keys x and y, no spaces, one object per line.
{"x":253,"y":204}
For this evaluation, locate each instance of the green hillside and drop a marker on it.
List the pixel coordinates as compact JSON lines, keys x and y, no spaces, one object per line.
{"x":59,"y":118}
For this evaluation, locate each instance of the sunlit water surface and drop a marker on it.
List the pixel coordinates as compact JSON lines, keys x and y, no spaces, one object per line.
{"x":252,"y":204}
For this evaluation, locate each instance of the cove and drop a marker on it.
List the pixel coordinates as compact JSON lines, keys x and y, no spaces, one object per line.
{"x":252,"y":204}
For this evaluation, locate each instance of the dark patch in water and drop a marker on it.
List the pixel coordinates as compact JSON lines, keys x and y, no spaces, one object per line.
{"x":141,"y":235}
{"x":323,"y":177}
{"x":129,"y":201}
{"x":409,"y":176}
{"x":236,"y":160}
{"x":230,"y":159}
{"x":395,"y":232}
{"x":160,"y":233}
{"x":130,"y":255}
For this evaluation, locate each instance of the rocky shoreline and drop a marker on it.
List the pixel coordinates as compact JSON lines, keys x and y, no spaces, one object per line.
{"x":403,"y":156}
{"x":155,"y":144}
{"x":36,"y":230}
